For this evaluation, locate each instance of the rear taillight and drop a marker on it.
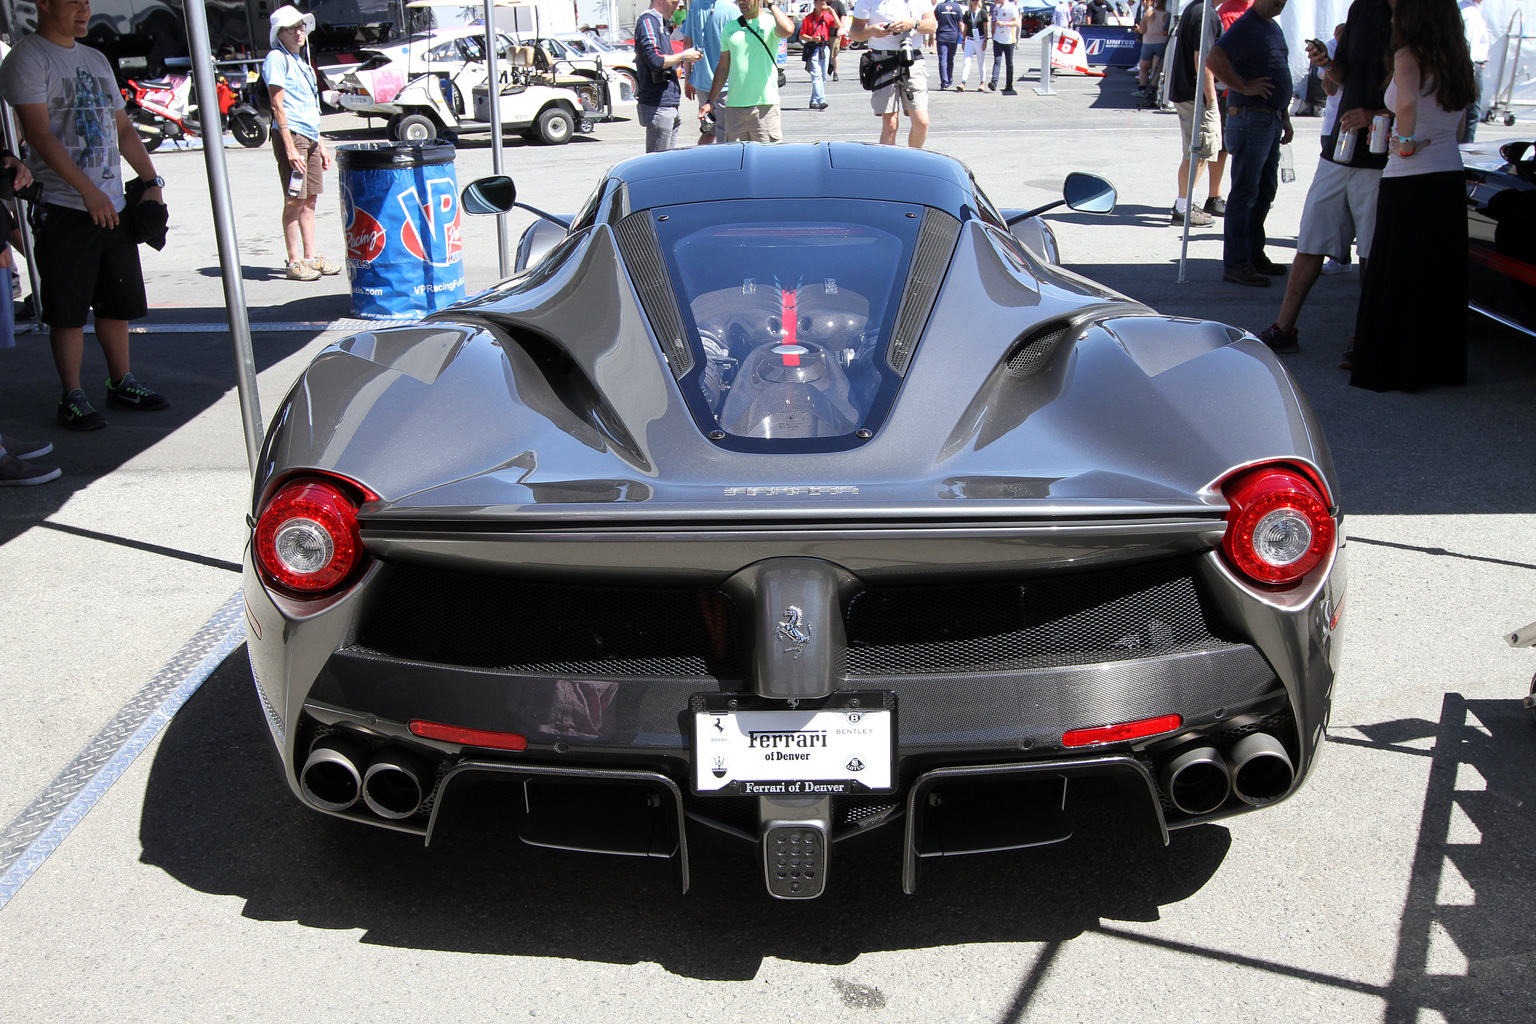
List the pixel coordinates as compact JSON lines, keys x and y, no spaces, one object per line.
{"x":1278,"y":528}
{"x":307,"y":538}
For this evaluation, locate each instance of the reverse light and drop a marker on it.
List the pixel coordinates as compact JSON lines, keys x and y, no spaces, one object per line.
{"x":307,"y":537}
{"x":1278,"y":527}
{"x":1122,"y":732}
{"x":468,"y":737}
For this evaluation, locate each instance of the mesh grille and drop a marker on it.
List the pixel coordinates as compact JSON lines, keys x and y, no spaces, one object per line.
{"x":637,"y":244}
{"x":1034,"y":350}
{"x":1086,"y":618}
{"x":935,"y":244}
{"x":544,"y":627}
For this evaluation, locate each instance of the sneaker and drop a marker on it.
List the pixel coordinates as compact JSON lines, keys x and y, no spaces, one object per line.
{"x":1216,"y":206}
{"x":960,"y":87}
{"x":992,"y":86}
{"x":1270,"y":267}
{"x":1198,"y":218}
{"x":15,"y":473}
{"x":130,"y":394}
{"x":1283,"y":342}
{"x":323,"y":265}
{"x":1244,"y":274}
{"x":1333,"y":266}
{"x":25,"y":449}
{"x":77,"y":413}
{"x":298,"y":270}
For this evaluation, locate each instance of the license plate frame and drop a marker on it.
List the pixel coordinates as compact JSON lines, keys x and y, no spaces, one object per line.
{"x":841,"y":744}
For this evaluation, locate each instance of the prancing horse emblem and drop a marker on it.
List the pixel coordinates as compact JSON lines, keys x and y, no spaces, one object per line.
{"x":792,"y":632}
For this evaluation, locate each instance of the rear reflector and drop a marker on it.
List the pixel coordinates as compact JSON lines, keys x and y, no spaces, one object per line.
{"x":1116,"y":733}
{"x":469,"y":737}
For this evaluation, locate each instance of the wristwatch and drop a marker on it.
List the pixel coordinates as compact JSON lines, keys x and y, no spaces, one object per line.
{"x":155,"y":182}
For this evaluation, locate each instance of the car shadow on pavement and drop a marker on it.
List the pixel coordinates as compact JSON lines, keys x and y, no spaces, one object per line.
{"x":1465,"y":940}
{"x":218,"y":818}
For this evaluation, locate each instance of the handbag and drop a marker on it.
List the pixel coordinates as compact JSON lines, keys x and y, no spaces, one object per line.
{"x":876,"y":72}
{"x":773,"y":56}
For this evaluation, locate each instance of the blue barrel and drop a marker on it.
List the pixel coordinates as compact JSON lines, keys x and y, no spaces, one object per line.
{"x":400,"y":203}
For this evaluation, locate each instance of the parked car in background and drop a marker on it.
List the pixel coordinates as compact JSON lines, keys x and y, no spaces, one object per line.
{"x":797,"y":496}
{"x":1501,"y":231}
{"x":615,"y":59}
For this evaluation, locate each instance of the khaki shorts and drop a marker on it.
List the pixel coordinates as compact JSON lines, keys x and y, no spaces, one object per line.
{"x":309,"y":151}
{"x":1210,"y":129}
{"x":1340,"y":207}
{"x":753,"y":124}
{"x":909,"y":96}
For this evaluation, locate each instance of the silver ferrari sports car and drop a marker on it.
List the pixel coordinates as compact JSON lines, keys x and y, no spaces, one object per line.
{"x":795,"y":495}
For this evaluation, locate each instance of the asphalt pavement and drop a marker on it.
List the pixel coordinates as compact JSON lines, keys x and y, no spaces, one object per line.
{"x":1393,"y":887}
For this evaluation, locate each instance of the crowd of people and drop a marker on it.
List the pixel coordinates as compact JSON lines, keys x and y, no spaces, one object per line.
{"x":1403,"y":80}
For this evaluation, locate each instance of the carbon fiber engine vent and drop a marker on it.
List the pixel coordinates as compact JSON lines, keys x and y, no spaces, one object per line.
{"x":1115,"y":615}
{"x":642,"y":255}
{"x":935,"y":244}
{"x":1031,"y":353}
{"x":546,"y":627}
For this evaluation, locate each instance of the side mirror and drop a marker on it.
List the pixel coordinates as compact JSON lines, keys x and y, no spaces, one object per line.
{"x":1514,"y":152}
{"x":495,"y":194}
{"x":1088,"y":193}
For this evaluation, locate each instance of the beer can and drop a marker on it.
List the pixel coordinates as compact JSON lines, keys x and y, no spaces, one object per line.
{"x":1344,"y":148}
{"x":1381,"y":127}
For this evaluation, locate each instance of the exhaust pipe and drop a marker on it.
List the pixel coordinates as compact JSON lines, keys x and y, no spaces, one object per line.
{"x":1197,"y":781}
{"x":393,"y":785}
{"x":1261,"y":769}
{"x":330,"y":779}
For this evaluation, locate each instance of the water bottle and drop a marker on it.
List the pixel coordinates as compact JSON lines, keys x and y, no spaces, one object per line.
{"x":1287,"y":165}
{"x":296,"y":183}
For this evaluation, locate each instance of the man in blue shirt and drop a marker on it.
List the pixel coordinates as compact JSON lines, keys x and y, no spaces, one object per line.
{"x":1252,"y":60}
{"x":948,"y":14}
{"x":706,"y":22}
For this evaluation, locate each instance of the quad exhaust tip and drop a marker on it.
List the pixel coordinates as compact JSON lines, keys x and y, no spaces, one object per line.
{"x":330,"y":778}
{"x":1261,"y":769}
{"x":1198,"y":781}
{"x":393,"y":784}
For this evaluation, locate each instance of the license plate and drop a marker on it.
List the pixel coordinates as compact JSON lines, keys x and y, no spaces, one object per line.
{"x":840,"y":744}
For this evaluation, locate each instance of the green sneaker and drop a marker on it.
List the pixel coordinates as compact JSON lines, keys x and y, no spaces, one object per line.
{"x":77,"y":413}
{"x":130,"y":394}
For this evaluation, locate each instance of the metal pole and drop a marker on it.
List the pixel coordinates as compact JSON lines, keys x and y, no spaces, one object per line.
{"x":1047,"y":41}
{"x":1194,"y":139}
{"x":493,"y":85}
{"x":224,"y":230}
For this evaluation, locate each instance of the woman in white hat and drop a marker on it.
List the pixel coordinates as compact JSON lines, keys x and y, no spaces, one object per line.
{"x":302,"y":158}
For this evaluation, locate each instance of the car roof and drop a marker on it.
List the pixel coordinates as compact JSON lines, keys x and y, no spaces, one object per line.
{"x":835,"y":170}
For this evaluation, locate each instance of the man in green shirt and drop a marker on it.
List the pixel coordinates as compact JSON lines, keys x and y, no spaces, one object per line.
{"x":749,"y":63}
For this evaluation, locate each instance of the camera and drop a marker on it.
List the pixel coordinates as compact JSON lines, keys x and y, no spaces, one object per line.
{"x":8,"y":188}
{"x":908,"y":53}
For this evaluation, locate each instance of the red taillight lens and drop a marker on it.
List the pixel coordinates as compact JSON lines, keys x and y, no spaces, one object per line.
{"x":468,"y":737}
{"x":1121,"y":732}
{"x":307,"y":538}
{"x":1278,"y":528}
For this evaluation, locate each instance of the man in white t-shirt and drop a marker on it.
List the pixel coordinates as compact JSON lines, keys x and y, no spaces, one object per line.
{"x":886,"y":25}
{"x":1005,"y":32}
{"x":1477,"y":41}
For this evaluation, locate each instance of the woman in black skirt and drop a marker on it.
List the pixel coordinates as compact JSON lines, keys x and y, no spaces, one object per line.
{"x":1411,"y":328}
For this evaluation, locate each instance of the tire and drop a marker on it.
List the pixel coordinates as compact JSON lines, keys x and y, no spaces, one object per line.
{"x":634,"y":83}
{"x":415,"y":128}
{"x":151,"y":140}
{"x":1509,"y":120}
{"x":556,"y":126}
{"x":249,"y":130}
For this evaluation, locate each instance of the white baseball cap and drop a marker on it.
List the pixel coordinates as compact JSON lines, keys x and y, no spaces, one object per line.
{"x":288,"y":16}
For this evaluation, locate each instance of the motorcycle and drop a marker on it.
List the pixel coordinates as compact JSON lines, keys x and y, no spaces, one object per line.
{"x":165,"y":109}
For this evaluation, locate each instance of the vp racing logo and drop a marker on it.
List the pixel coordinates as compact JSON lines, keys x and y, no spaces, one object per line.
{"x":365,"y":237}
{"x":430,"y":225}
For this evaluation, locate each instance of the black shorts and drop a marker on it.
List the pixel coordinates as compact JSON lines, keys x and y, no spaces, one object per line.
{"x":84,"y":268}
